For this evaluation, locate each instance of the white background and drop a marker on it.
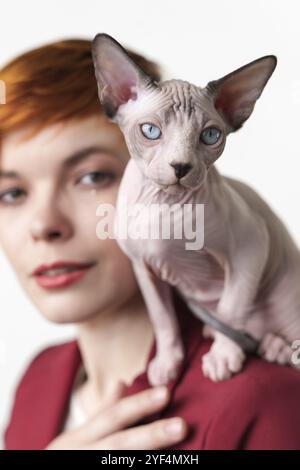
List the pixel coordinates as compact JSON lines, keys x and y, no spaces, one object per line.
{"x":195,"y":40}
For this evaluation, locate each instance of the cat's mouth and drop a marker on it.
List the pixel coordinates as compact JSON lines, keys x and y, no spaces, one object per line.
{"x":174,"y":188}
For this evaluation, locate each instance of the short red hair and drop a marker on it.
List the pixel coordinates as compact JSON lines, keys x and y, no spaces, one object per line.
{"x":54,"y":83}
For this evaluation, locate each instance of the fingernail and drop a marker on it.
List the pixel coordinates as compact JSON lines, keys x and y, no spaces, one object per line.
{"x":159,"y":394}
{"x":174,"y":427}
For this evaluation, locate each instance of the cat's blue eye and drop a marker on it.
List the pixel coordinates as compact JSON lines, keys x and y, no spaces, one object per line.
{"x":210,"y":135}
{"x":150,"y":131}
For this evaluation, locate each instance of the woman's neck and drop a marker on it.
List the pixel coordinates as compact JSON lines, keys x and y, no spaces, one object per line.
{"x":114,"y":346}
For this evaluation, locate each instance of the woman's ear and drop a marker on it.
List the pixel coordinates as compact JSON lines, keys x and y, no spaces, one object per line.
{"x":118,"y":77}
{"x":235,"y":94}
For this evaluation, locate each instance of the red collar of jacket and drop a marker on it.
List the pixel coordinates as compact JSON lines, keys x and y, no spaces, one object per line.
{"x":42,"y":396}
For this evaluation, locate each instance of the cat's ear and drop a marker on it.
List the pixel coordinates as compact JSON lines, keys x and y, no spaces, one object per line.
{"x":118,"y":77}
{"x":235,"y":94}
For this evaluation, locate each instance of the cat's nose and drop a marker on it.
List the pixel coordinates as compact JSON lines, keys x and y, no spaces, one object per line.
{"x":181,"y":169}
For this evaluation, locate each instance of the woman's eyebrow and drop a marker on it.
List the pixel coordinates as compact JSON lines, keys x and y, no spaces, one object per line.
{"x":81,"y":154}
{"x":71,"y":160}
{"x":9,"y":174}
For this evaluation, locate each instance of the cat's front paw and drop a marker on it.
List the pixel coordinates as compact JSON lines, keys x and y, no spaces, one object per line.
{"x":222,"y":360}
{"x":165,"y":366}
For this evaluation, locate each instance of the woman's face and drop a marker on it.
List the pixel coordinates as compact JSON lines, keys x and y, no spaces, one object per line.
{"x":50,"y":188}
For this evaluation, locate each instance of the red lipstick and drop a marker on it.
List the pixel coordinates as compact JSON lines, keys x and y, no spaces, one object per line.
{"x":60,"y":274}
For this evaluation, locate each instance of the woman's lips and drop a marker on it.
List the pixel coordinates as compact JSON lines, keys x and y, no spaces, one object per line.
{"x":60,"y":274}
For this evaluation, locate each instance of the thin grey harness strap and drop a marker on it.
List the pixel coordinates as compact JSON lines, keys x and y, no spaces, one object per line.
{"x":249,"y":344}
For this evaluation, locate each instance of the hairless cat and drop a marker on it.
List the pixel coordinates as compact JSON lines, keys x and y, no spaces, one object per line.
{"x":246,"y":276}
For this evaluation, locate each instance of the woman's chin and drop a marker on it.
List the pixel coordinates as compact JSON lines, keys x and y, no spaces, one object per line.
{"x":70,"y":309}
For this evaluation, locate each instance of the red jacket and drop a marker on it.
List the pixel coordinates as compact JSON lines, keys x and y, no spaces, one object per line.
{"x":257,"y":409}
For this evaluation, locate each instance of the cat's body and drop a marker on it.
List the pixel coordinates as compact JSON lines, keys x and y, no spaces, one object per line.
{"x":248,"y":272}
{"x":199,"y":275}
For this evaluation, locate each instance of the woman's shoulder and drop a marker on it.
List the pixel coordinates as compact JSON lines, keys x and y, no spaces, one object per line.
{"x":43,"y":361}
{"x":48,"y":373}
{"x":256,"y":408}
{"x":261,"y":384}
{"x":49,"y":355}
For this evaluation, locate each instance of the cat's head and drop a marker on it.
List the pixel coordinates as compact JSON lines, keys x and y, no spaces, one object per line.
{"x":174,"y":130}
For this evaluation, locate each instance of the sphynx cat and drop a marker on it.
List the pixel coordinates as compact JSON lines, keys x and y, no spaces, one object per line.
{"x":247,"y":274}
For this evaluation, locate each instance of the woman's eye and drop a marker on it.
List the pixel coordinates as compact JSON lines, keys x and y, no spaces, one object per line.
{"x":11,"y":196}
{"x":150,"y":131}
{"x":210,"y":135}
{"x":95,"y":177}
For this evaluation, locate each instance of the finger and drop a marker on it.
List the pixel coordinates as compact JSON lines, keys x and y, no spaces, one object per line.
{"x":158,"y":435}
{"x":125,"y":412}
{"x":115,"y":394}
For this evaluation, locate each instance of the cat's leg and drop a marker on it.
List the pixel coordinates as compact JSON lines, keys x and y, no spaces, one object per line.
{"x":169,"y":346}
{"x":242,"y":278}
{"x":283,"y":331}
{"x":273,"y":348}
{"x":231,"y":359}
{"x":223,"y":359}
{"x":246,"y":261}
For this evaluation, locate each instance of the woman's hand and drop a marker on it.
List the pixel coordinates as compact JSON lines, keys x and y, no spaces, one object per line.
{"x":106,"y":429}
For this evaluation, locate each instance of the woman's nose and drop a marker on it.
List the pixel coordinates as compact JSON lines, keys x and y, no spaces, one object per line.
{"x":50,"y":225}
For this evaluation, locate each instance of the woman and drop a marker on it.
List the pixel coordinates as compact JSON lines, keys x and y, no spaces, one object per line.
{"x":60,"y":159}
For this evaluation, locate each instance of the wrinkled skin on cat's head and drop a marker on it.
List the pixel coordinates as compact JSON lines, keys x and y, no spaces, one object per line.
{"x":173,"y":129}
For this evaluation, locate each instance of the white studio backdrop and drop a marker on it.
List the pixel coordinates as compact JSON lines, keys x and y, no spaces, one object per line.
{"x":195,"y":40}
